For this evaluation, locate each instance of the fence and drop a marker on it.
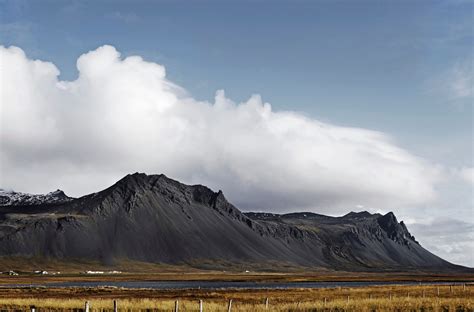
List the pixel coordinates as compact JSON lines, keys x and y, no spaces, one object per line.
{"x":433,"y":292}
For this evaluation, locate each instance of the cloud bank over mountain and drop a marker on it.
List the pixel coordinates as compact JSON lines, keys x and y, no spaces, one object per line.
{"x":122,"y":115}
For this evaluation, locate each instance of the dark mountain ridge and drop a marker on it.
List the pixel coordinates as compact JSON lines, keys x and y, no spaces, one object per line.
{"x":155,"y":219}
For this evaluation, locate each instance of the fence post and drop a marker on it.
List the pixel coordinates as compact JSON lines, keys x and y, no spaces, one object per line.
{"x":390,"y":296}
{"x":324,"y":301}
{"x":438,"y":290}
{"x":86,"y":306}
{"x":347,"y":299}
{"x":266,"y":303}
{"x":33,"y":308}
{"x":464,"y":287}
{"x":229,"y":308}
{"x":200,"y":305}
{"x":176,"y":308}
{"x":115,"y":306}
{"x":423,"y":293}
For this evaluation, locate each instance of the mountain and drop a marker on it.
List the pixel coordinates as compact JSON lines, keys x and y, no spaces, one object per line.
{"x":153,"y":218}
{"x":11,"y":198}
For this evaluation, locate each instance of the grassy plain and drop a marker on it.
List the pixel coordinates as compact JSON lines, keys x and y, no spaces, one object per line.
{"x":377,"y":298}
{"x":453,"y":296}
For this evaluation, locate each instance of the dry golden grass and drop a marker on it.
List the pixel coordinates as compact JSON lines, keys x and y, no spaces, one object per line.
{"x":380,"y":298}
{"x":380,"y":304}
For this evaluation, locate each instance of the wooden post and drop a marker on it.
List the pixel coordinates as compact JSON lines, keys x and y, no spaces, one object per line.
{"x":408,"y":295}
{"x":438,"y":290}
{"x":86,"y":306}
{"x":324,"y":300}
{"x":200,"y":305}
{"x":390,"y":295}
{"x":450,"y":288}
{"x":464,"y":287}
{"x":115,"y":306}
{"x":266,"y":303}
{"x":370,"y":296}
{"x":229,"y":307}
{"x":176,"y":307}
{"x":347,"y":299}
{"x":423,"y":293}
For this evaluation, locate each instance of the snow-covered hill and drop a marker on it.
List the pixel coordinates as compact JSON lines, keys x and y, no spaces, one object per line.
{"x":11,"y":198}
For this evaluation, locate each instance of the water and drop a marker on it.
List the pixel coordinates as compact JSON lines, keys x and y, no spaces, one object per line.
{"x":217,"y":284}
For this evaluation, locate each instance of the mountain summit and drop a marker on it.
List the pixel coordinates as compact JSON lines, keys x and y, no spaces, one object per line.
{"x":153,"y":218}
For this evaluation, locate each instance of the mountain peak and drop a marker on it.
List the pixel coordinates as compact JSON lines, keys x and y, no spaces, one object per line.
{"x":358,"y":215}
{"x":12,"y":198}
{"x":388,"y":221}
{"x":139,"y":180}
{"x":140,"y":189}
{"x":57,"y":193}
{"x":395,"y":230}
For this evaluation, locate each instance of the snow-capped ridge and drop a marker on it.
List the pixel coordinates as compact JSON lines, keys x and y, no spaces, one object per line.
{"x":12,"y":198}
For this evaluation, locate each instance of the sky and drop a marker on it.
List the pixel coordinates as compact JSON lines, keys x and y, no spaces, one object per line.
{"x":324,"y":106}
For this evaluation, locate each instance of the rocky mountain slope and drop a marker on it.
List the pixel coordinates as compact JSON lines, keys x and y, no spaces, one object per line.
{"x":153,"y":218}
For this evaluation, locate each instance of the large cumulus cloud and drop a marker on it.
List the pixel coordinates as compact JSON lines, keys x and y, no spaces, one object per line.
{"x":123,"y":115}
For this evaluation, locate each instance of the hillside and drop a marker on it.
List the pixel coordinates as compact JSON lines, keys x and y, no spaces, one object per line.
{"x":152,"y":218}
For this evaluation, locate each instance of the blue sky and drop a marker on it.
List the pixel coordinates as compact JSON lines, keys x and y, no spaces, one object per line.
{"x":400,"y":67}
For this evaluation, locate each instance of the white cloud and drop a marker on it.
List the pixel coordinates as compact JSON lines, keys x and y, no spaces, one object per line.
{"x":123,"y":115}
{"x":461,"y":81}
{"x":454,"y":84}
{"x":467,"y":174}
{"x":448,"y":238}
{"x":128,"y":17}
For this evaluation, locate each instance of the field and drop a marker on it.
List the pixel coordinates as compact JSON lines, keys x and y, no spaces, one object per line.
{"x":380,"y":298}
{"x":455,"y":294}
